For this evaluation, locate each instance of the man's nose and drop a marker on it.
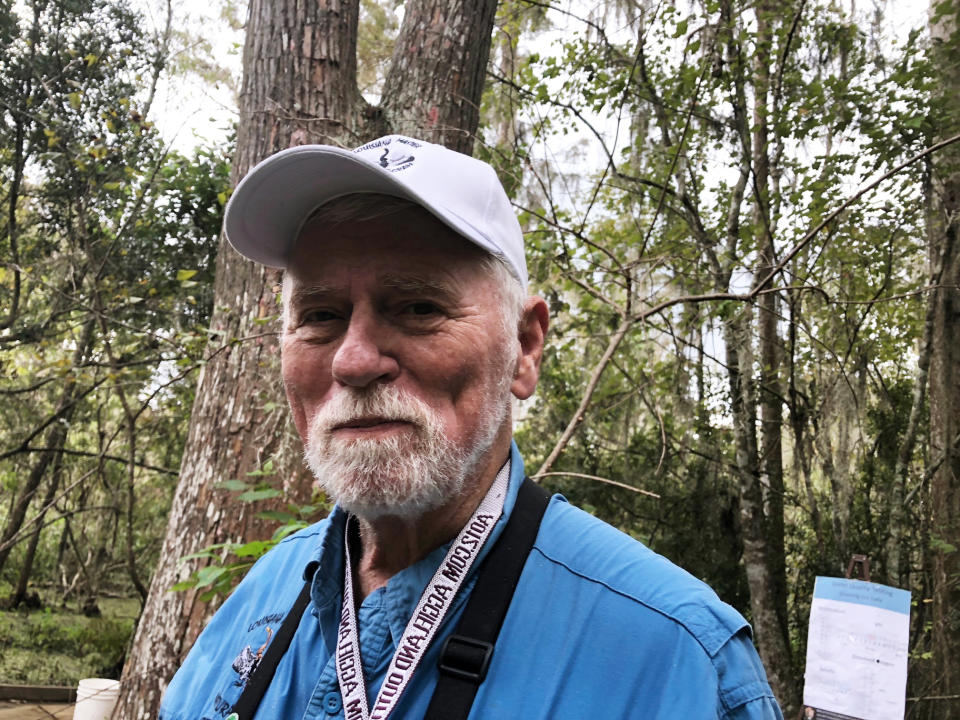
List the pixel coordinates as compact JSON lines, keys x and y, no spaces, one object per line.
{"x":361,"y":358}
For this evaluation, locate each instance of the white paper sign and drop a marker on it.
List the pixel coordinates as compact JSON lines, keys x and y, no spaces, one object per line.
{"x":856,"y":651}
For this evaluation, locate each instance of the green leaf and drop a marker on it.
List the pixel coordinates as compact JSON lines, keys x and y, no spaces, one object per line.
{"x":254,"y":495}
{"x":207,"y":552}
{"x":206,"y":576}
{"x":277,"y":515}
{"x":281,"y":532}
{"x":267,"y":469}
{"x":235,"y":485}
{"x":254,"y":548}
{"x":943,"y":546}
{"x":184,"y":275}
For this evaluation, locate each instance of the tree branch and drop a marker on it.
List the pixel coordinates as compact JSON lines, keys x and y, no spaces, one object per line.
{"x":598,"y":479}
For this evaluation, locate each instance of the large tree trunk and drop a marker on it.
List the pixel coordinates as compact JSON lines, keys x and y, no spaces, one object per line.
{"x":299,"y":87}
{"x":437,"y":71}
{"x":944,"y":382}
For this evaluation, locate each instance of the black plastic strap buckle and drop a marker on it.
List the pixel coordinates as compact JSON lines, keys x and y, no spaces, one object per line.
{"x":465,"y":658}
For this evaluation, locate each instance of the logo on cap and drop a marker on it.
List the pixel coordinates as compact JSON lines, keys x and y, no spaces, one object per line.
{"x":395,"y":162}
{"x":393,"y":158}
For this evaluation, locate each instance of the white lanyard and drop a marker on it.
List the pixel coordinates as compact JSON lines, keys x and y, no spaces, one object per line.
{"x":434,"y":604}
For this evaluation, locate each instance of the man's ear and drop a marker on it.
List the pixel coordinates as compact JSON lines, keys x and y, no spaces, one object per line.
{"x":534,"y":321}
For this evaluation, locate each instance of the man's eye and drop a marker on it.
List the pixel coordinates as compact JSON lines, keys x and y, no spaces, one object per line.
{"x":318,"y":316}
{"x":421,"y":309}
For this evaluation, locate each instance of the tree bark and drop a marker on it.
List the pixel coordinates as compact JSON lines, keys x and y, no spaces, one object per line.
{"x":945,"y":450}
{"x":299,"y":87}
{"x":753,"y":521}
{"x":436,"y":76}
{"x":776,"y":644}
{"x":944,"y":379}
{"x":758,"y":460}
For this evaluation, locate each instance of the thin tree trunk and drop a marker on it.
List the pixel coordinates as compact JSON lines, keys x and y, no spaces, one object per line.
{"x":770,"y":393}
{"x":896,"y":545}
{"x":54,"y":439}
{"x":945,"y":450}
{"x":799,"y":406}
{"x":26,"y":569}
{"x":944,"y":251}
{"x":299,"y":87}
{"x":756,"y":550}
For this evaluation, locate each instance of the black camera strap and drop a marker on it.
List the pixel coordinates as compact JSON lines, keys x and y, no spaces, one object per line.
{"x":467,"y":651}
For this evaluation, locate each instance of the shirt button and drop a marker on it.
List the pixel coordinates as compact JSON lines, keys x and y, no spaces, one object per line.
{"x":332,"y":703}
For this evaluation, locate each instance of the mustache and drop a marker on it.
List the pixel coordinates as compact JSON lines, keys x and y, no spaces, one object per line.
{"x":383,"y":403}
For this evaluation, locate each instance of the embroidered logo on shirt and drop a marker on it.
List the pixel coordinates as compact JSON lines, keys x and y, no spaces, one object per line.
{"x":248,"y":660}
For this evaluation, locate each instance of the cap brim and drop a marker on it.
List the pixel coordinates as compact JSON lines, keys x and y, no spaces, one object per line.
{"x":268,"y":207}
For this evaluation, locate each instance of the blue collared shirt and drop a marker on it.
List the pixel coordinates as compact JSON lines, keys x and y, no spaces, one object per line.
{"x":599,"y":626}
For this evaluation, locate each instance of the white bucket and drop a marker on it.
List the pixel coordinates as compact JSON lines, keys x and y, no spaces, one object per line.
{"x":96,"y":698}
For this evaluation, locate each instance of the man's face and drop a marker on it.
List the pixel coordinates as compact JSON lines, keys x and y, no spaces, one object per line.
{"x":397,"y":362}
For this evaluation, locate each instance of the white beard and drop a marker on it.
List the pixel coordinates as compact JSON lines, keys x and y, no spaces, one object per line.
{"x":404,"y":474}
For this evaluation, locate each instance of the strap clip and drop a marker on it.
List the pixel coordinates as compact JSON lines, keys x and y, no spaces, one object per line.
{"x":465,"y":658}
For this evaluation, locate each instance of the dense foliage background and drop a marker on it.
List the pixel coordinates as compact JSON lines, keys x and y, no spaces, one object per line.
{"x":105,"y":294}
{"x":739,"y":367}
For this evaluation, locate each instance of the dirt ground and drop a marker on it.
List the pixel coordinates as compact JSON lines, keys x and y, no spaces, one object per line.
{"x":32,"y":711}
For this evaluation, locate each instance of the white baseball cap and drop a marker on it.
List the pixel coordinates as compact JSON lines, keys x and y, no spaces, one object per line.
{"x":268,"y":208}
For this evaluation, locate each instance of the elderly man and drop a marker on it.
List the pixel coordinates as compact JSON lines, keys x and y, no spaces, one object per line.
{"x":443,"y":585}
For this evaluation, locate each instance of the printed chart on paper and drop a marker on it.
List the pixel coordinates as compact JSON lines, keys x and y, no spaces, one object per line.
{"x":857,"y":651}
